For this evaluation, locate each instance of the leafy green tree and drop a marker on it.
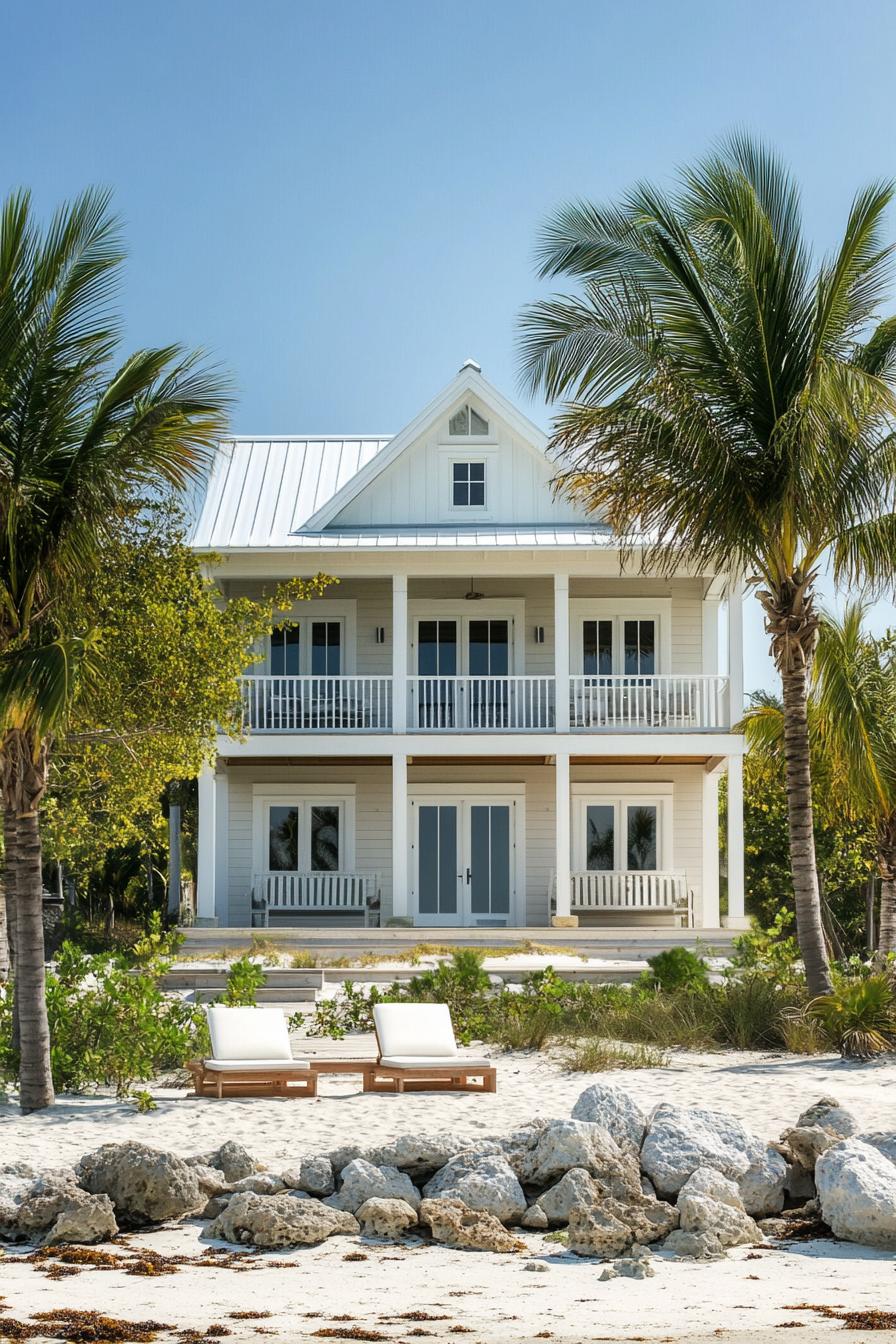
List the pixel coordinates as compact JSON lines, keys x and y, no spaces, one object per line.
{"x":852,"y":726}
{"x":172,"y":653}
{"x":80,"y":435}
{"x":724,"y":401}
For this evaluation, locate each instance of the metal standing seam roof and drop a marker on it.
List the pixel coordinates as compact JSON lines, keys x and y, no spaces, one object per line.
{"x":260,"y":494}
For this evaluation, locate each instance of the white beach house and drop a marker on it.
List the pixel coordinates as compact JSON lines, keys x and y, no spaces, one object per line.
{"x":488,"y":721}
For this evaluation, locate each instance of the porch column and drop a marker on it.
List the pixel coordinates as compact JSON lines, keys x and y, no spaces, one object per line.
{"x":735,"y":918}
{"x":206,"y":849}
{"x":709,"y":913}
{"x":399,"y":653}
{"x":561,"y":659}
{"x":399,"y":834}
{"x":735,"y":649}
{"x":562,"y":918}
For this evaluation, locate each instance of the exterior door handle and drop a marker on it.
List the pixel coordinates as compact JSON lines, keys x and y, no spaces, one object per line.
{"x":468,"y":876}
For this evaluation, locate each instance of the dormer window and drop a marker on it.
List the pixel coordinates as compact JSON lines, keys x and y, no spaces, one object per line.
{"x":467,"y":422}
{"x":469,"y":485}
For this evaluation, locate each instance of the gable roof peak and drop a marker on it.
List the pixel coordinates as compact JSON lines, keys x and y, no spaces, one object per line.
{"x":470,"y":364}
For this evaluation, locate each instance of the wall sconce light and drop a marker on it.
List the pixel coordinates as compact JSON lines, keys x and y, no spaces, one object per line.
{"x":379,"y":634}
{"x":539,"y":634}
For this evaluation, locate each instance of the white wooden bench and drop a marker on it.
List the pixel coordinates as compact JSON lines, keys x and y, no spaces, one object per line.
{"x":315,"y":894}
{"x":635,"y":893}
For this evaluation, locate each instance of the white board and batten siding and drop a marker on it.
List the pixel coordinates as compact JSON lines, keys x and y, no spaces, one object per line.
{"x":371,"y":784}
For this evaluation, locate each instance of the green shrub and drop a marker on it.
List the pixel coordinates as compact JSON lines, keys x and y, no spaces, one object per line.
{"x":597,"y":1056}
{"x":750,"y":1012}
{"x":109,"y":1022}
{"x":677,"y":968}
{"x":859,"y":1016}
{"x":773,"y":952}
{"x":244,"y":979}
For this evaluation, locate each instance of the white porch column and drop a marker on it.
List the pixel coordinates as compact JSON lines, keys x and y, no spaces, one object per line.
{"x":736,"y":649}
{"x":735,"y":918}
{"x":709,"y":912}
{"x":399,"y":653}
{"x":400,"y":844}
{"x":207,"y":847}
{"x":562,"y":918}
{"x":710,"y":662}
{"x":561,"y":658}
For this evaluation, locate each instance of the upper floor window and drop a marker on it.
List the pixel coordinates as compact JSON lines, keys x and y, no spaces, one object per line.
{"x":466,"y":422}
{"x":468,"y":485}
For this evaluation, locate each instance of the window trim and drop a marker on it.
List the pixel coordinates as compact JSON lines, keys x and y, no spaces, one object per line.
{"x":619,"y":610}
{"x":304,"y":797}
{"x":469,"y":462}
{"x":620,"y":797}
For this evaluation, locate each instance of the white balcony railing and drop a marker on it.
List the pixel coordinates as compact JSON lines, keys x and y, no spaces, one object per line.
{"x":480,"y":704}
{"x":629,"y":703}
{"x":317,"y":704}
{"x":313,"y":894}
{"x":485,"y":704}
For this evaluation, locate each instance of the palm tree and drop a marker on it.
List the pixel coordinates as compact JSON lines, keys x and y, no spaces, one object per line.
{"x":852,"y":727}
{"x":80,"y":437}
{"x":729,"y":404}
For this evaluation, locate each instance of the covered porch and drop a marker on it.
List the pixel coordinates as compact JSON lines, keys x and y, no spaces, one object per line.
{"x":434,"y":842}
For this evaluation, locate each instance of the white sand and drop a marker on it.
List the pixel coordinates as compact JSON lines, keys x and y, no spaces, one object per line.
{"x":765,"y":1091}
{"x":493,"y":1295}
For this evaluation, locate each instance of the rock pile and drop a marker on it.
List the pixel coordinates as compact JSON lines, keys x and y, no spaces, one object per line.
{"x":612,"y":1182}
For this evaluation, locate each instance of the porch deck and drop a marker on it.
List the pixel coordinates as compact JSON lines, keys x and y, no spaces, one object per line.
{"x":610,"y":942}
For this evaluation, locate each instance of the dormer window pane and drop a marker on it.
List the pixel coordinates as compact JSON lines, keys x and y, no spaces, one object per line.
{"x":469,"y":485}
{"x":467,"y":421}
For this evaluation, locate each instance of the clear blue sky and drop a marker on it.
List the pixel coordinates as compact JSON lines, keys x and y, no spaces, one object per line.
{"x":339,"y":199}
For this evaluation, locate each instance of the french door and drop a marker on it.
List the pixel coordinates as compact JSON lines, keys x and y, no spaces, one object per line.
{"x":462,"y":671}
{"x":462,"y":861}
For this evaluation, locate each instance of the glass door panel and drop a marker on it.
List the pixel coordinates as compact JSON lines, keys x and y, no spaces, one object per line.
{"x":488,"y":657}
{"x":489,"y":870}
{"x":285,"y":650}
{"x":639,"y":648}
{"x":437,"y":864}
{"x":437,"y":662}
{"x":597,"y":648}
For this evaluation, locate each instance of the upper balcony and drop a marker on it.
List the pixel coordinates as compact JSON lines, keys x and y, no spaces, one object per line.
{"x":526,"y":654}
{"x":488,"y":704}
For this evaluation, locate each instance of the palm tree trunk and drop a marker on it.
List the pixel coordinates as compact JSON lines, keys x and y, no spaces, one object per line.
{"x":8,"y":898}
{"x":35,"y":1077}
{"x":4,"y":939}
{"x":810,"y":932}
{"x":886,"y":862}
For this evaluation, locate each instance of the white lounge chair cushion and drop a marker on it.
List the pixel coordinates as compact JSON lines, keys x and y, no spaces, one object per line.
{"x":415,"y":1029}
{"x":248,"y":1033}
{"x":460,"y":1062}
{"x":257,"y":1065}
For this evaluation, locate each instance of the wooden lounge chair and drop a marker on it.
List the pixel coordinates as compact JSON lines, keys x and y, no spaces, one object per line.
{"x":417,"y":1051}
{"x":251,"y":1057}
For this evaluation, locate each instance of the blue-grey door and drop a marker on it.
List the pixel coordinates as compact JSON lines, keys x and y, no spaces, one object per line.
{"x":462,"y":862}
